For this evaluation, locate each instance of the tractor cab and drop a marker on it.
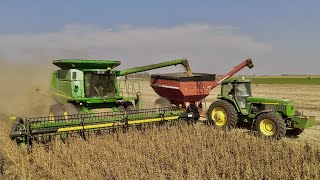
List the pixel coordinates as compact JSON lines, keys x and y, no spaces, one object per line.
{"x":239,"y":90}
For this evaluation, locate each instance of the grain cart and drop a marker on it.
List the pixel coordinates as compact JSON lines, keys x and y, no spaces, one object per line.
{"x":84,"y":89}
{"x":186,"y":91}
{"x":269,"y":117}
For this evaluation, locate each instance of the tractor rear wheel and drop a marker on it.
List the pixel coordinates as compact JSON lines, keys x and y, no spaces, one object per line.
{"x":55,"y":110}
{"x":294,"y":132}
{"x":222,"y":114}
{"x":270,"y":125}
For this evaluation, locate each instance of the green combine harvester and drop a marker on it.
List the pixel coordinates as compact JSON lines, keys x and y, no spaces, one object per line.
{"x":89,"y":99}
{"x":93,"y":86}
{"x":269,"y":117}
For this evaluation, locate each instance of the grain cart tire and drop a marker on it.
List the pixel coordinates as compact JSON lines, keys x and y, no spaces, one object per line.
{"x":294,"y":132}
{"x":162,"y":102}
{"x":270,"y":125}
{"x":194,"y":110}
{"x":69,"y":109}
{"x":222,"y":114}
{"x":56,"y":110}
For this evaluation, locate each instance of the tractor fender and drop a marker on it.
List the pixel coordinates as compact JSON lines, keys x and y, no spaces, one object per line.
{"x":232,"y":101}
{"x":261,"y":112}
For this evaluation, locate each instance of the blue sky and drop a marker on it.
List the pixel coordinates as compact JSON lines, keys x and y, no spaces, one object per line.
{"x":290,"y":28}
{"x":256,"y":16}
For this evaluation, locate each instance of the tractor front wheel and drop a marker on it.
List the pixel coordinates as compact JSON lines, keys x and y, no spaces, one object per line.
{"x":270,"y":125}
{"x":222,"y":114}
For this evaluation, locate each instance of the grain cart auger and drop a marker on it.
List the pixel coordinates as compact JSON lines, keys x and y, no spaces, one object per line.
{"x":269,"y":117}
{"x":89,"y":99}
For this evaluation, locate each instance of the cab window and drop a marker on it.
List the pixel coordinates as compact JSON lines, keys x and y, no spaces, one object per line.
{"x":226,"y":89}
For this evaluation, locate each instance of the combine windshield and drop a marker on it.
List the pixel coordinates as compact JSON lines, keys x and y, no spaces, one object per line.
{"x":99,"y":84}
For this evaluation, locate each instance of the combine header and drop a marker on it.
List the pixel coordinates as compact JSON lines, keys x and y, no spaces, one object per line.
{"x":43,"y":128}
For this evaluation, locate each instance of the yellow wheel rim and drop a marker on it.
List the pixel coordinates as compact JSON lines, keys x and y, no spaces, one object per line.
{"x":65,"y":114}
{"x":219,"y":116}
{"x":267,"y":127}
{"x":51,"y":114}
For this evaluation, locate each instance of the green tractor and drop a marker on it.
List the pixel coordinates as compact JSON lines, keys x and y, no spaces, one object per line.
{"x":274,"y":118}
{"x":91,"y":86}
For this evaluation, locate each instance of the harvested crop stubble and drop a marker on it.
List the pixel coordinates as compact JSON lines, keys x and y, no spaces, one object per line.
{"x":176,"y":152}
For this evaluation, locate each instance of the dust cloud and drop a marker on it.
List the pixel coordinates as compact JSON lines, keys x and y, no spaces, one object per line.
{"x":18,"y":84}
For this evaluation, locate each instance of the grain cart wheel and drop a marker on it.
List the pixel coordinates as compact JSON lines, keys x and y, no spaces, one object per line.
{"x":55,"y":110}
{"x":294,"y":132}
{"x":270,"y":125}
{"x":222,"y":114}
{"x":69,"y":109}
{"x":192,"y":108}
{"x":162,"y":102}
